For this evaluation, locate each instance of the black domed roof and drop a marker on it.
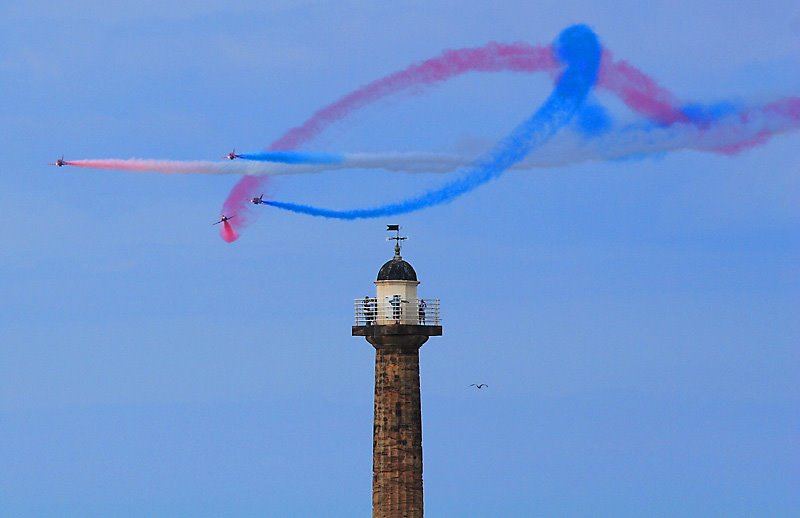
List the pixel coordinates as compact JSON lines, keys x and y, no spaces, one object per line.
{"x":397,"y":269}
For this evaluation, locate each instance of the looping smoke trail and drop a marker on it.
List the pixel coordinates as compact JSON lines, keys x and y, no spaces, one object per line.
{"x":676,"y":127}
{"x":579,"y":49}
{"x":494,"y":57}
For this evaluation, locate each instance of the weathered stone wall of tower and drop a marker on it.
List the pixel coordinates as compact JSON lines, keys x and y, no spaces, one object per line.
{"x":397,"y":434}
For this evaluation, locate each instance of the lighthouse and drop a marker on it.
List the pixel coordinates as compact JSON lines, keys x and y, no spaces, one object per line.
{"x":397,"y":322}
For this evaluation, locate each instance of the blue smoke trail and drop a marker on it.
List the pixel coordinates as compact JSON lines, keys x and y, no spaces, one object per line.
{"x":579,"y":49}
{"x":293,"y":157}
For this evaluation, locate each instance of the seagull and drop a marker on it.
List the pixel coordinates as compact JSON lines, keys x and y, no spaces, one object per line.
{"x":479,"y":385}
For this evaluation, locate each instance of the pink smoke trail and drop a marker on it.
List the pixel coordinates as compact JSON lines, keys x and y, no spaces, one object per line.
{"x":494,"y":57}
{"x":157,"y":166}
{"x":638,"y":91}
{"x":643,"y":95}
{"x":783,"y":110}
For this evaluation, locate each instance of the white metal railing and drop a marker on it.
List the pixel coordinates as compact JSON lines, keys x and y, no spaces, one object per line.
{"x":395,"y":310}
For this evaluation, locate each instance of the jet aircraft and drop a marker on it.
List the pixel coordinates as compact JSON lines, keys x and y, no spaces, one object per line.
{"x":223,"y":218}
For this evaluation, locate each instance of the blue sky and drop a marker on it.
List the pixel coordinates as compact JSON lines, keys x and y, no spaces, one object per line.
{"x":636,"y":320}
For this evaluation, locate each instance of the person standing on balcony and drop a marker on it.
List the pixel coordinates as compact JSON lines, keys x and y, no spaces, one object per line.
{"x":367,"y":307}
{"x":395,"y":302}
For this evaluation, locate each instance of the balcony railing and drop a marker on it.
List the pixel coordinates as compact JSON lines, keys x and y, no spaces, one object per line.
{"x":371,"y":311}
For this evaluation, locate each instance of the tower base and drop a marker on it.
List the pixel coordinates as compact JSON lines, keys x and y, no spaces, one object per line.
{"x":397,"y":430}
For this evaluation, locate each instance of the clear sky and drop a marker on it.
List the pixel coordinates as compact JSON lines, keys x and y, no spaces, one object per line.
{"x":636,"y":320}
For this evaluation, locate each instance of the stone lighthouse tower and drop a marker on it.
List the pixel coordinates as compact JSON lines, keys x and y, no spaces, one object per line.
{"x":397,"y":322}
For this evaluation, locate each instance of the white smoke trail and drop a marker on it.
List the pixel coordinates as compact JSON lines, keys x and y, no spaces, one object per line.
{"x":726,"y":136}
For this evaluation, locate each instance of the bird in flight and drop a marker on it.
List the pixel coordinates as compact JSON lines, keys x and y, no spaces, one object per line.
{"x":479,"y":385}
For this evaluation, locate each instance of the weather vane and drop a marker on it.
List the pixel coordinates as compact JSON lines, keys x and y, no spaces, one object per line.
{"x":396,"y":238}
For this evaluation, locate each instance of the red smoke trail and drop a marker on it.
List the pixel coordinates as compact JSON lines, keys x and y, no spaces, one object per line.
{"x":228,"y":233}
